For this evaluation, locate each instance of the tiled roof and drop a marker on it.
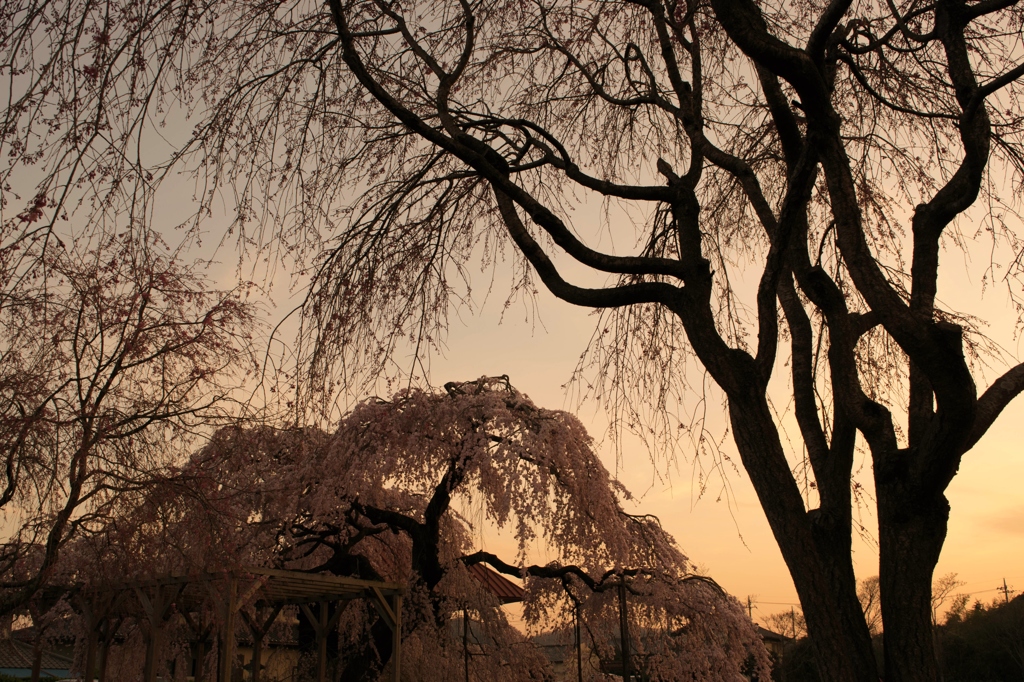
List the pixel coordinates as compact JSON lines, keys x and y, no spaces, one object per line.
{"x":15,"y":654}
{"x":501,"y":587}
{"x":768,"y":635}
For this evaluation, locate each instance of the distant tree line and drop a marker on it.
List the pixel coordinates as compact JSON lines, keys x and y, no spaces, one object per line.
{"x":975,"y":642}
{"x":983,"y":643}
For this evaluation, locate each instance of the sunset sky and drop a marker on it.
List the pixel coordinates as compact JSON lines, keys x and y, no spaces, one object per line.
{"x":247,"y":247}
{"x":725,"y":532}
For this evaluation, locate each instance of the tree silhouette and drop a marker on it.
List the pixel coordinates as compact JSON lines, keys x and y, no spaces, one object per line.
{"x":112,"y":355}
{"x":380,"y":498}
{"x":825,"y":151}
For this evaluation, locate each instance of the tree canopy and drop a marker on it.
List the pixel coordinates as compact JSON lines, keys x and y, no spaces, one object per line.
{"x":787,"y":177}
{"x":399,"y":492}
{"x":113,"y":356}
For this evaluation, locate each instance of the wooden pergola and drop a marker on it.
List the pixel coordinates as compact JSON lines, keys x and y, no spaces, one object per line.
{"x":227,"y":594}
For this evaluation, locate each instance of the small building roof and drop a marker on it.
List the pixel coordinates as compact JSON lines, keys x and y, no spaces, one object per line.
{"x":501,"y":587}
{"x":263,"y":585}
{"x":16,"y":655}
{"x":770,"y":636}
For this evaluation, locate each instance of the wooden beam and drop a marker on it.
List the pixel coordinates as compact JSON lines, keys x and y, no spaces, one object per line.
{"x":391,"y":613}
{"x":251,"y":591}
{"x":382,"y":606}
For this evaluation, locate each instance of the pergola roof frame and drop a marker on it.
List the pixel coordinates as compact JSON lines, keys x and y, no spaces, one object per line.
{"x":104,"y":605}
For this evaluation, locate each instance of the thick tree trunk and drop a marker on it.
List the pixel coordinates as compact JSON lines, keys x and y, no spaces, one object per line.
{"x":816,"y":548}
{"x":911,"y":535}
{"x":837,"y":621}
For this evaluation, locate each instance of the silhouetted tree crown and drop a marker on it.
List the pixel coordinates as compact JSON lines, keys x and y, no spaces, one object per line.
{"x":785,"y":178}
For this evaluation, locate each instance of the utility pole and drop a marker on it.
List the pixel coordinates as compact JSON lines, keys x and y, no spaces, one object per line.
{"x":627,"y":675}
{"x":1007,"y":591}
{"x":750,"y":608}
{"x":792,"y":620}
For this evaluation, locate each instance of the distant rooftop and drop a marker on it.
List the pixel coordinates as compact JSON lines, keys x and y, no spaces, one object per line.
{"x":500,"y":586}
{"x":16,"y":656}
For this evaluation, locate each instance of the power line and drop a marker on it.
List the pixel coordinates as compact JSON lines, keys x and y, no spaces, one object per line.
{"x":967,"y":588}
{"x":1007,"y":591}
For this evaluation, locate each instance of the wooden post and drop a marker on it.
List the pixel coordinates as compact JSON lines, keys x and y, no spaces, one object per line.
{"x":92,"y":624}
{"x":465,"y":642}
{"x":396,"y":637}
{"x":37,"y":643}
{"x":257,"y":656}
{"x":106,"y":639}
{"x":104,"y":657}
{"x":97,"y":609}
{"x":90,"y":654}
{"x":323,"y":628}
{"x":624,"y":632}
{"x":391,"y":612}
{"x":154,"y":609}
{"x":227,"y":634}
{"x":149,"y":669}
{"x":321,"y":645}
{"x":37,"y":655}
{"x":201,"y":629}
{"x":200,"y":675}
{"x":259,"y":629}
{"x":579,"y":647}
